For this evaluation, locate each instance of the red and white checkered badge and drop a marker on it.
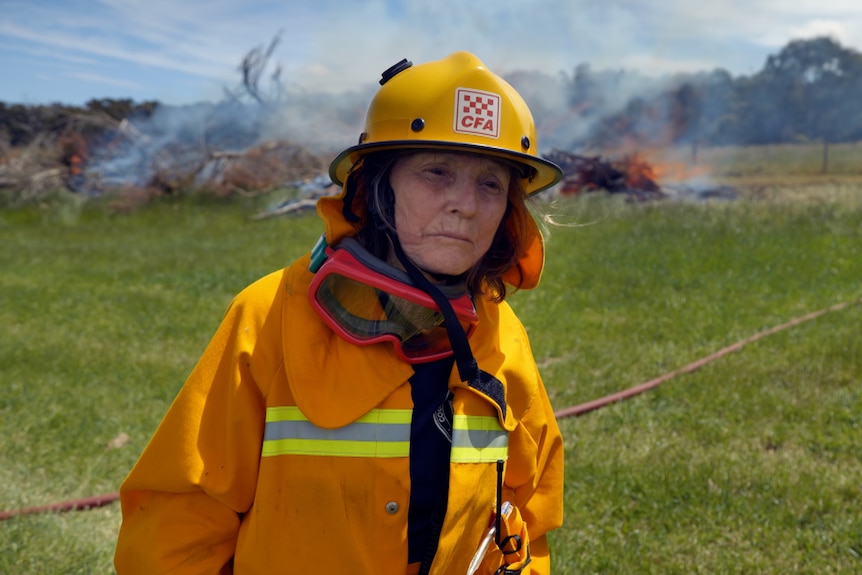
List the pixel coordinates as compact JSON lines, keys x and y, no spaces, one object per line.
{"x":477,"y":112}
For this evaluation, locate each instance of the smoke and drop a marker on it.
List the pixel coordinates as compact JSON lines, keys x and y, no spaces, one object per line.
{"x":180,"y":140}
{"x":568,"y":109}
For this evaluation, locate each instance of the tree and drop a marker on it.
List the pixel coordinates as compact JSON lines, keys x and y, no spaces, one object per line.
{"x":816,"y":84}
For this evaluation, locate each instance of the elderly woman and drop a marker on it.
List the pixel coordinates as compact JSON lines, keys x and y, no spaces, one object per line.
{"x":375,"y":407}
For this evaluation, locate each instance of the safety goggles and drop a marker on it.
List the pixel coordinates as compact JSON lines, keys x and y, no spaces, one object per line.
{"x":366,"y":301}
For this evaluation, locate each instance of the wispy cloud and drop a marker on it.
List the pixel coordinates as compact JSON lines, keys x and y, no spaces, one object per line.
{"x":105,"y":80}
{"x":335,"y":45}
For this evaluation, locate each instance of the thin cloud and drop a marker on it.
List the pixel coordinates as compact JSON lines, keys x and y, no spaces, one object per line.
{"x":816,"y":28}
{"x":331,"y":45}
{"x":105,"y":80}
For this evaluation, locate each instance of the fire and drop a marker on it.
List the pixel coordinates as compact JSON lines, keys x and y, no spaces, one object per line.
{"x":640,"y":175}
{"x":74,"y":151}
{"x":75,"y":162}
{"x":666,"y":166}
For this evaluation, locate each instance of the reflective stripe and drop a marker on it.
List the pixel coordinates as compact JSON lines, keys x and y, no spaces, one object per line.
{"x":478,"y":439}
{"x":378,"y":433}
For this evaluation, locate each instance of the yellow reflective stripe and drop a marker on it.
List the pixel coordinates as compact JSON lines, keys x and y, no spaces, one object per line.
{"x":332,"y":448}
{"x":478,"y":439}
{"x":284,"y":414}
{"x":379,"y":433}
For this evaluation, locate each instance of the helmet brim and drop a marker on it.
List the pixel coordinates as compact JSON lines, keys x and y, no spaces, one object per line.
{"x":538,"y":174}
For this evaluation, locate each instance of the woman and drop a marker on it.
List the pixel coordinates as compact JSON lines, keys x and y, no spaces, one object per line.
{"x":375,"y":407}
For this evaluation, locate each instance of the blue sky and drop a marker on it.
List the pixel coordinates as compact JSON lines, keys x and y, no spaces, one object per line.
{"x":179,"y":51}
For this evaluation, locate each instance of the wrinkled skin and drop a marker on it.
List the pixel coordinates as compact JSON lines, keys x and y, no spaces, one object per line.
{"x":448,"y":207}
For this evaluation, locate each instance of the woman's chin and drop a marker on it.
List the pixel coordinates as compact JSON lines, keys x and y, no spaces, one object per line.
{"x":443,"y":261}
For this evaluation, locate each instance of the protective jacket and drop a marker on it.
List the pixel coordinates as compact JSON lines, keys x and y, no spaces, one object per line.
{"x":286,"y":451}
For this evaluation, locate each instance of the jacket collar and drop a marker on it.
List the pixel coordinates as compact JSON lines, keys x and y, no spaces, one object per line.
{"x":321,"y":366}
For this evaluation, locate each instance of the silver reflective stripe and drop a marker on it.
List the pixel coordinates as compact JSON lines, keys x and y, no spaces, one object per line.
{"x":378,"y":433}
{"x":478,"y":439}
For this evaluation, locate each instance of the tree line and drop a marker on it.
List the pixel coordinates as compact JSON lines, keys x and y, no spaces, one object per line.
{"x":20,"y":124}
{"x":809,"y":91}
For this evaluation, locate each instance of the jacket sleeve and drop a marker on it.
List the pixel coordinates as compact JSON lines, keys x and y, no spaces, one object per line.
{"x":536,"y":468}
{"x":183,"y":499}
{"x":534,"y":482}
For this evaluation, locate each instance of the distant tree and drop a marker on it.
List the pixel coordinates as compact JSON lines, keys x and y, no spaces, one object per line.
{"x":809,"y":90}
{"x":116,"y":109}
{"x":719,"y":120}
{"x":18,"y":123}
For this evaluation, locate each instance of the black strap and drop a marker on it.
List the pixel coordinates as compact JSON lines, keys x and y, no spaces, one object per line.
{"x":434,"y":536}
{"x":430,"y":454}
{"x":468,"y":371}
{"x":468,"y":368}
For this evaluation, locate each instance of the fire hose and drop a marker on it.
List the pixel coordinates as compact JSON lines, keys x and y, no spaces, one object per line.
{"x":574,"y":411}
{"x":695,"y":365}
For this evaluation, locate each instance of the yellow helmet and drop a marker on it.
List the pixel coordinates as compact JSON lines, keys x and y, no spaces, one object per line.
{"x":452,"y":104}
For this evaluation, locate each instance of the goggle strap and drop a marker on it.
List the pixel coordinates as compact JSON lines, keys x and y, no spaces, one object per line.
{"x":318,"y":254}
{"x":468,"y":368}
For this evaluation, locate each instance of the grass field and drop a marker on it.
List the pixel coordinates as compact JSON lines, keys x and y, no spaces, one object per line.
{"x":751,"y":464}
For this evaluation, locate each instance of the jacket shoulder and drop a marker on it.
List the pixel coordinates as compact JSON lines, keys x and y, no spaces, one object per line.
{"x":262,"y":289}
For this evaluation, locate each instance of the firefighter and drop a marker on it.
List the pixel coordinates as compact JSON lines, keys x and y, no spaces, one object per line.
{"x":375,"y":407}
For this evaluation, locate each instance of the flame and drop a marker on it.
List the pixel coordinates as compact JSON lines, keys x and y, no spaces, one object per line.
{"x":665,"y":166}
{"x":75,"y":162}
{"x":639,"y":174}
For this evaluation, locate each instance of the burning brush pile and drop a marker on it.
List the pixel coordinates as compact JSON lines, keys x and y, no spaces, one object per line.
{"x":133,"y":165}
{"x":631,"y":176}
{"x":138,"y":167}
{"x":216,"y":156}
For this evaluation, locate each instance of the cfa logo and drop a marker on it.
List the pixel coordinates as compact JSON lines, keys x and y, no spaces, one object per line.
{"x":477,"y":112}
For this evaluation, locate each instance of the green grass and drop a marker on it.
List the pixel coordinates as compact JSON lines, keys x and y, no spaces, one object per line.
{"x":751,"y":464}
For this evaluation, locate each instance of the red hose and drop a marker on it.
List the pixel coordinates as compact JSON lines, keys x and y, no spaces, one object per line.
{"x":638,"y":389}
{"x":102,"y":500}
{"x":73,"y":505}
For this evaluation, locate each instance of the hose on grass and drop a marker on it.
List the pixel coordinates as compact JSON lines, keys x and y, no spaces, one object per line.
{"x":588,"y":406}
{"x":72,"y":505}
{"x":574,"y":411}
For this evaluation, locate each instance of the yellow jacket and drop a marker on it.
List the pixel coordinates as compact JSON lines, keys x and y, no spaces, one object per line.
{"x":257,"y":467}
{"x":203,"y":491}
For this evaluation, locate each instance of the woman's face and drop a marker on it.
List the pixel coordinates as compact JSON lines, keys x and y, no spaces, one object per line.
{"x":448,"y":207}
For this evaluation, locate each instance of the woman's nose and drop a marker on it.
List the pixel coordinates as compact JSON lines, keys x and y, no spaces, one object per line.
{"x":464,"y":197}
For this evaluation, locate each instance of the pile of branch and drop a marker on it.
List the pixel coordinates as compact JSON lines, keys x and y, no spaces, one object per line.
{"x":33,"y":173}
{"x":52,"y":160}
{"x":259,"y":169}
{"x":178,"y":169}
{"x":630,"y":175}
